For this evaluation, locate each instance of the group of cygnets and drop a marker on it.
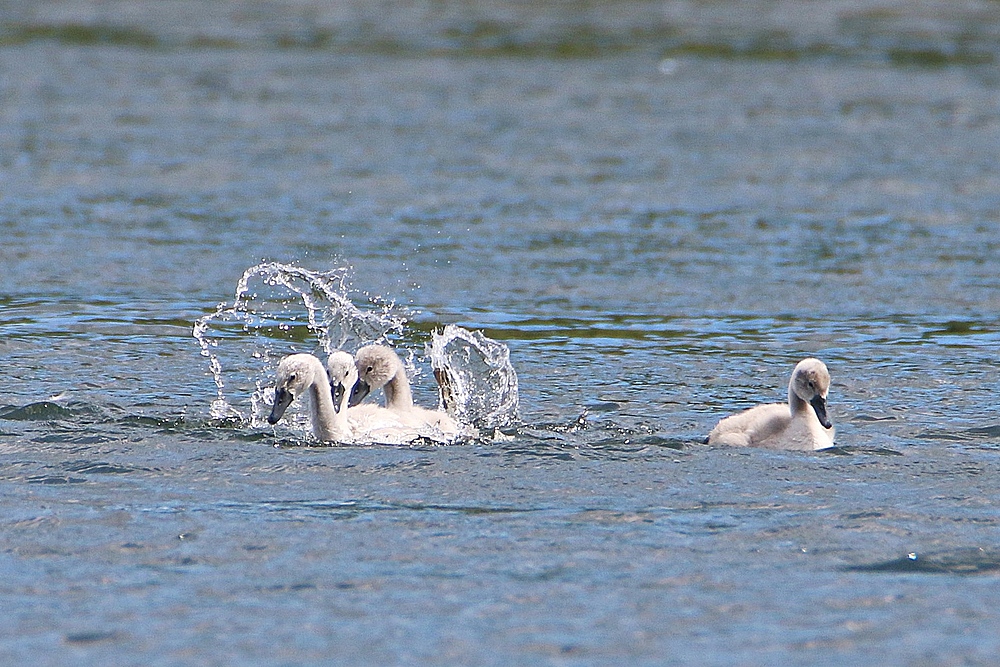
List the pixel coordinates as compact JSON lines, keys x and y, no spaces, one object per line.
{"x":335,"y":394}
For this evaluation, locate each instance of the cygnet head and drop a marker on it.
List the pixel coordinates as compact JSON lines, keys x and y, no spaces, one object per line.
{"x":376,"y":364}
{"x":811,"y":383}
{"x":343,"y":376}
{"x":296,"y":373}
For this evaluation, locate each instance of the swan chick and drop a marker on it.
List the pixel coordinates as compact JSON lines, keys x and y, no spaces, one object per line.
{"x":379,"y":367}
{"x":801,"y":424}
{"x":343,"y":375}
{"x":368,"y":422}
{"x":303,"y":375}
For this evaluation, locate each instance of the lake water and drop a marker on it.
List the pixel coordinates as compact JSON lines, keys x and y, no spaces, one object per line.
{"x":658,"y":207}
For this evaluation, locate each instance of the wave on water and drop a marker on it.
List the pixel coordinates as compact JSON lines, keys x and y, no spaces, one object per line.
{"x":280,"y":309}
{"x":963,"y":561}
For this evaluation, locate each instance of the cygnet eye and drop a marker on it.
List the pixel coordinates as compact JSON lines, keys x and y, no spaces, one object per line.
{"x":291,"y":378}
{"x":812,"y":385}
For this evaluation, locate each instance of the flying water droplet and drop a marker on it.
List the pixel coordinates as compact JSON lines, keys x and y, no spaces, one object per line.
{"x":280,"y":309}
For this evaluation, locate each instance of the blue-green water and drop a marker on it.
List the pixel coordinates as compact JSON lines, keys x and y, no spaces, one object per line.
{"x":658,"y":207}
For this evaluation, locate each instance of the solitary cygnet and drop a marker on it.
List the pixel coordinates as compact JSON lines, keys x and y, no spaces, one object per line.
{"x":380,"y":367}
{"x":302,"y":373}
{"x":801,"y":424}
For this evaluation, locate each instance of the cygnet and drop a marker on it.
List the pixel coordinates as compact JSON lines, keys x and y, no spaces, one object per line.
{"x":379,"y":367}
{"x":303,"y":374}
{"x":800,"y":424}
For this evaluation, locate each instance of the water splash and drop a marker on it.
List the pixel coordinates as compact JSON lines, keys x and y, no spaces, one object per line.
{"x":478,"y":383}
{"x":280,"y":309}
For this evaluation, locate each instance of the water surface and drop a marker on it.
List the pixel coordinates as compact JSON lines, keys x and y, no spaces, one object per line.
{"x":658,"y":207}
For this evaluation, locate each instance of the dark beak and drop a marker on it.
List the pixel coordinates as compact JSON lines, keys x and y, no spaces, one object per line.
{"x":282,"y":399}
{"x":358,"y":393}
{"x":338,"y":391}
{"x":819,"y":405}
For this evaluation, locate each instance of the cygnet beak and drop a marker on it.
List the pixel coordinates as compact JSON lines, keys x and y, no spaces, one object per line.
{"x":819,"y":405}
{"x":358,"y":393}
{"x":338,"y":391}
{"x":282,"y":399}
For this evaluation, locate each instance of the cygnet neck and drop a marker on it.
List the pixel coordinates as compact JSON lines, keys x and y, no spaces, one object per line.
{"x":398,"y":395}
{"x":328,"y":424}
{"x":795,"y":403}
